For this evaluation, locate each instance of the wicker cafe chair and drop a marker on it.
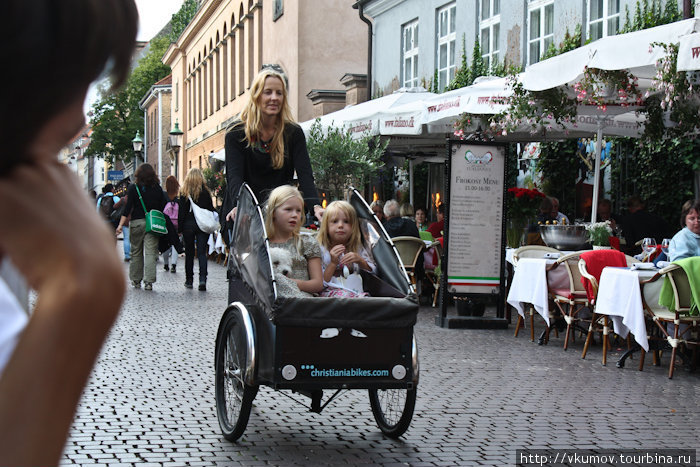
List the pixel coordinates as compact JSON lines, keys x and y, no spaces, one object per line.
{"x":410,"y":249}
{"x":596,"y":320}
{"x":529,"y":251}
{"x":678,"y":317}
{"x":573,"y":299}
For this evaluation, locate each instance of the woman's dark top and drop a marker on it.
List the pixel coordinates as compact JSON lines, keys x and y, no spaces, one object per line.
{"x":253,"y":165}
{"x":185,"y":214}
{"x":153,"y":197}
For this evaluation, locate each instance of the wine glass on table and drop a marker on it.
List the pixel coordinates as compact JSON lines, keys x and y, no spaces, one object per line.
{"x":649,"y":247}
{"x":665,"y":243}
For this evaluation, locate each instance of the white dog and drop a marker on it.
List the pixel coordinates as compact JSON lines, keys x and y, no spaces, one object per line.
{"x":282,"y":267}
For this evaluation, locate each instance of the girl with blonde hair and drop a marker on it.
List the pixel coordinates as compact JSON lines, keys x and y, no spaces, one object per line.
{"x":341,"y":247}
{"x":283,"y":220}
{"x":265,"y":147}
{"x":194,"y":187}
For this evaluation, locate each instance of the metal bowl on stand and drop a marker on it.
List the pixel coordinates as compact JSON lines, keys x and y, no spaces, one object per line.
{"x":565,"y":237}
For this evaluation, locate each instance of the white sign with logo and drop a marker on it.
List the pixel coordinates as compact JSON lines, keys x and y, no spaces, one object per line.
{"x":475,"y":218}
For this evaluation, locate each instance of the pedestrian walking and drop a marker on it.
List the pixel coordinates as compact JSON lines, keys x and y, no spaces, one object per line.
{"x":122,"y":188}
{"x":49,"y":229}
{"x":194,"y":188}
{"x":144,"y":245}
{"x":172,"y":209}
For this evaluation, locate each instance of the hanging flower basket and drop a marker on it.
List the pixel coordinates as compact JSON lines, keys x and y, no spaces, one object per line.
{"x":607,"y":87}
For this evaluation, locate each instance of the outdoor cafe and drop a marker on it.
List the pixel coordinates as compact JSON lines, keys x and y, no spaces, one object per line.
{"x":598,"y":296}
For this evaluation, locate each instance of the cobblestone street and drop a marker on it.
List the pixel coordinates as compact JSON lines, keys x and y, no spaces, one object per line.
{"x":482,"y":395}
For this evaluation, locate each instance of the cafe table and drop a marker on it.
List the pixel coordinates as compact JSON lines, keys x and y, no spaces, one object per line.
{"x":531,"y":283}
{"x":620,"y":297}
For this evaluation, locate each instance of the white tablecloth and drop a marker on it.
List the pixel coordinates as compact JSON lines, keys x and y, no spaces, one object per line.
{"x":530,"y":285}
{"x":619,"y":297}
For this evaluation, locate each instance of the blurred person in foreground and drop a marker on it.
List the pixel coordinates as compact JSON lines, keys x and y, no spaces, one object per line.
{"x":686,"y":243}
{"x":50,"y":230}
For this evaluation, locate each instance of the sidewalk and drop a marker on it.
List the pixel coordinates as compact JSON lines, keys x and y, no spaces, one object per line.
{"x":482,"y":395}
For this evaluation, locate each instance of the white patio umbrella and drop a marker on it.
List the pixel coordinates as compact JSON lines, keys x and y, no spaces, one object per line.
{"x":363,"y":119}
{"x":632,"y":51}
{"x":689,"y":53}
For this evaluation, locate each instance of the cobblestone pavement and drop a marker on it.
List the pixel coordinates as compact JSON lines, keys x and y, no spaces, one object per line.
{"x":482,"y":395}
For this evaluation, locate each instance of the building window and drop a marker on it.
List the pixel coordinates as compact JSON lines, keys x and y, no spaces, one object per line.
{"x":490,"y":26}
{"x":277,"y":9}
{"x":446,"y":44}
{"x":603,"y":18}
{"x":540,"y":28}
{"x":409,"y":49}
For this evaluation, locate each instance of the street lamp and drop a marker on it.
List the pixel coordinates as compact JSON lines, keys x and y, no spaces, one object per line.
{"x":137,"y":142}
{"x":175,"y":137}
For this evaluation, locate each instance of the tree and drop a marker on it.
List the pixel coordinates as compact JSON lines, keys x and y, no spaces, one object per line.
{"x":182,"y":18}
{"x":116,"y":117}
{"x":339,"y":161}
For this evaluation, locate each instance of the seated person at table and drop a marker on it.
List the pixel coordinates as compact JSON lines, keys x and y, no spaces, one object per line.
{"x":395,"y":225}
{"x":406,"y":211}
{"x":437,"y":228}
{"x":605,"y":213}
{"x":421,"y":219}
{"x":377,"y":208}
{"x":558,"y":216}
{"x":544,"y":216}
{"x":640,"y":223}
{"x":686,"y":242}
{"x":342,"y":253}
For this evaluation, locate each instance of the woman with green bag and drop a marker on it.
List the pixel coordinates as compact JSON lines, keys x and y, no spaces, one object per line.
{"x":146,"y":193}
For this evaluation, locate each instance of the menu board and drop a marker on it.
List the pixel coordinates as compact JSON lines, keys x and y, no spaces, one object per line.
{"x":475,"y":217}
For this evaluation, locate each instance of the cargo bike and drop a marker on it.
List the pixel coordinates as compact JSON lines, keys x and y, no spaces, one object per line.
{"x":267,"y":339}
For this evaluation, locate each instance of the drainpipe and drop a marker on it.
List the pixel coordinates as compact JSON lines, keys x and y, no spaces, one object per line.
{"x":360,"y":7}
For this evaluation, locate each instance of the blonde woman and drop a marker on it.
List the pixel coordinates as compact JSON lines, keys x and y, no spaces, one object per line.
{"x":283,"y":219}
{"x":265,"y":147}
{"x":193,"y":187}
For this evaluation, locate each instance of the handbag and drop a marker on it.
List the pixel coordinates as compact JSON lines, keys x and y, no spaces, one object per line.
{"x":155,"y":219}
{"x":206,"y":219}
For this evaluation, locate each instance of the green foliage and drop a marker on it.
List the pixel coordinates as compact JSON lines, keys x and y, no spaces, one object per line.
{"x":648,"y":15}
{"x":462,"y":75}
{"x":660,"y":172}
{"x":340,"y":161}
{"x":557,"y":163}
{"x":477,"y":66}
{"x":215,"y":181}
{"x":116,"y":117}
{"x":434,"y":85}
{"x":182,"y":18}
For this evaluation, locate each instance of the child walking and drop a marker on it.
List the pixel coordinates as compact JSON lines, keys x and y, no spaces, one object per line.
{"x":171,"y":209}
{"x":283,"y":220}
{"x":342,"y":252}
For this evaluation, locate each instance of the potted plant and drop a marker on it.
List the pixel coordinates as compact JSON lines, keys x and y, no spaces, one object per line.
{"x":599,"y":234}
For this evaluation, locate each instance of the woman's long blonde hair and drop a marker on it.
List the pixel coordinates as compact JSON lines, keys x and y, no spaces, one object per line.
{"x":277,"y":198}
{"x":251,"y":116}
{"x":332,"y":211}
{"x":193,"y":183}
